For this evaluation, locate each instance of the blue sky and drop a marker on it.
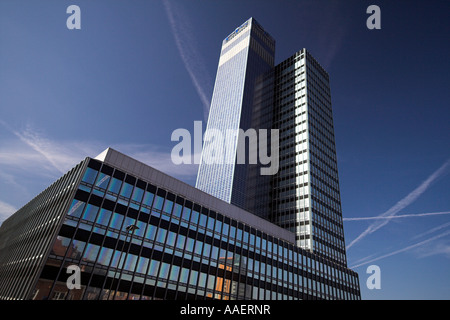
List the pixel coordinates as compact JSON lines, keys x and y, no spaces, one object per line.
{"x":136,"y":71}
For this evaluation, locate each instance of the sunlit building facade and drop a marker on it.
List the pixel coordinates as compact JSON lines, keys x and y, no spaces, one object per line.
{"x":246,"y":53}
{"x":138,"y":234}
{"x":294,"y":98}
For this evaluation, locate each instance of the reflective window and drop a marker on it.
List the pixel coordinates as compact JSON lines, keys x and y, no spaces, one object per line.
{"x":142,"y":265}
{"x":161,"y":236}
{"x":137,"y":194}
{"x":103,"y":217}
{"x":164,"y":270}
{"x":194,"y":217}
{"x":184,"y":275}
{"x":177,"y":210}
{"x":76,"y":249}
{"x":115,"y":185}
{"x":148,"y":198}
{"x":90,"y":254}
{"x":168,"y":206}
{"x":90,"y":213}
{"x":158,"y":203}
{"x":60,"y":246}
{"x":174,"y":273}
{"x":203,"y":219}
{"x":89,"y":175}
{"x":153,"y":269}
{"x":180,"y":241}
{"x":76,"y":208}
{"x":102,"y":181}
{"x":116,"y":221}
{"x":105,"y":256}
{"x":171,"y":238}
{"x":151,"y":232}
{"x":130,"y":263}
{"x":186,"y":214}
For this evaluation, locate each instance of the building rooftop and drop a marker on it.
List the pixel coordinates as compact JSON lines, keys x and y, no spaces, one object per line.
{"x":145,"y":172}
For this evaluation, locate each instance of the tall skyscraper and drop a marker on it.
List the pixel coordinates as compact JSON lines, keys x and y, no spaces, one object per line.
{"x":133,"y":232}
{"x":293,"y":97}
{"x":246,"y":53}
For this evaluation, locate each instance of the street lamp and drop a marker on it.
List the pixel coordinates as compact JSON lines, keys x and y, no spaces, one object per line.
{"x":130,"y":229}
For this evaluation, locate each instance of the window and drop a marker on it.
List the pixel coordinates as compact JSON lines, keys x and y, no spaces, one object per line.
{"x":174,"y":273}
{"x":89,"y":175}
{"x":126,"y":190}
{"x":151,"y":232}
{"x":177,"y":210}
{"x":194,"y":217}
{"x":137,"y":194}
{"x":116,"y":221}
{"x":102,"y":181}
{"x":161,"y":237}
{"x":148,"y":199}
{"x":115,"y":185}
{"x":90,"y":213}
{"x":76,"y":208}
{"x":105,"y":256}
{"x":153,"y":269}
{"x":158,"y":203}
{"x":168,"y":206}
{"x":90,"y":254}
{"x":103,"y":217}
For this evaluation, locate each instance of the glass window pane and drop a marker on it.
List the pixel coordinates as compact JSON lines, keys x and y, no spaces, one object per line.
{"x":115,"y":185}
{"x":184,"y":275}
{"x":174,"y":273}
{"x":168,"y":206}
{"x":151,"y":232}
{"x":218,"y":227}
{"x":102,"y":180}
{"x":180,"y":241}
{"x":90,"y":254}
{"x":89,"y":175}
{"x":158,"y":203}
{"x":103,"y":217}
{"x":193,"y":278}
{"x":76,"y":208}
{"x":130,"y":263}
{"x":164,"y":270}
{"x":153,"y":269}
{"x":161,"y":237}
{"x":177,"y":210}
{"x":203,"y":219}
{"x":126,"y":190}
{"x":198,"y":247}
{"x":171,"y":238}
{"x":186,"y":214}
{"x":137,"y":194}
{"x":105,"y":256}
{"x":116,"y":221}
{"x":190,"y":244}
{"x":148,"y":199}
{"x":90,"y":213}
{"x":142,"y":265}
{"x":194,"y":217}
{"x":60,"y":246}
{"x":76,"y":249}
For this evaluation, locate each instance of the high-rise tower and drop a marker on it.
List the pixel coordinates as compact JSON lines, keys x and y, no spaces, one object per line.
{"x":247,"y":53}
{"x":294,"y":98}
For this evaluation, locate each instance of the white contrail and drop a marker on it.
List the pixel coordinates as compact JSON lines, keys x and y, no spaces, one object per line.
{"x":189,"y":55}
{"x":403,"y":250}
{"x":398,"y":217}
{"x":442,"y":226}
{"x":406,"y":201}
